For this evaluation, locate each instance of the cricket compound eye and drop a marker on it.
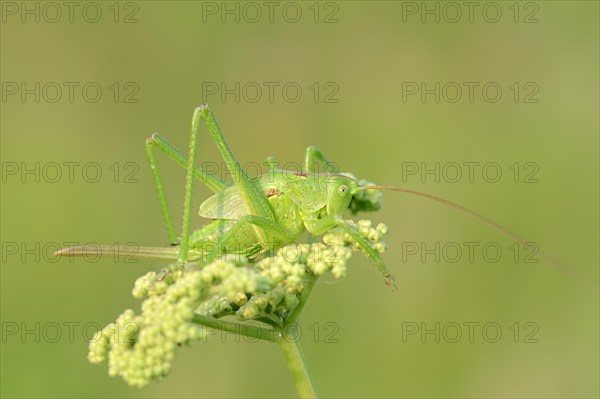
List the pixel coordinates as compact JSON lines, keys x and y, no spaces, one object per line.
{"x":342,"y":189}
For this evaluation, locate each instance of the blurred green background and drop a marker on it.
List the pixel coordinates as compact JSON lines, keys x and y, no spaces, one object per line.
{"x":364,"y":55}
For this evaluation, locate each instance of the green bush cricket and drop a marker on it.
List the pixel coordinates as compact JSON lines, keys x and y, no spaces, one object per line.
{"x":261,"y":214}
{"x":254,"y":215}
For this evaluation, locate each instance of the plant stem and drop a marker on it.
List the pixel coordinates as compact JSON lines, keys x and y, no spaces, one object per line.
{"x":310,"y":283}
{"x":289,"y":342}
{"x":286,"y":338}
{"x":290,"y":346}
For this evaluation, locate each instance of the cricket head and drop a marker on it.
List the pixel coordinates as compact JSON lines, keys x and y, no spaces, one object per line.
{"x":348,"y":192}
{"x":362,"y":197}
{"x":340,"y":191}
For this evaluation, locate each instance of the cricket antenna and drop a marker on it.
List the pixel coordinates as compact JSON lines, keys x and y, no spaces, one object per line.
{"x":482,"y":219}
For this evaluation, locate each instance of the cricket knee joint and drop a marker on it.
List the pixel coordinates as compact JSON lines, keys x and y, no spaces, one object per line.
{"x":313,"y":153}
{"x":151,"y":140}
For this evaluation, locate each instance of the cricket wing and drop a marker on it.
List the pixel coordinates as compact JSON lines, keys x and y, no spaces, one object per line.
{"x":226,"y":204}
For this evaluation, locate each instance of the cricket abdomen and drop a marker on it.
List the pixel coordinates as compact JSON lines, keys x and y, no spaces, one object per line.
{"x":206,"y":242}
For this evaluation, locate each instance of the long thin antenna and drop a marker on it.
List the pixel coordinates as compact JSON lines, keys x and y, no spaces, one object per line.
{"x":485,"y":220}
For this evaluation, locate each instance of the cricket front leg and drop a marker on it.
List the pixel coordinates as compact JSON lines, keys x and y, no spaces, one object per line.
{"x":370,"y":252}
{"x":319,"y":226}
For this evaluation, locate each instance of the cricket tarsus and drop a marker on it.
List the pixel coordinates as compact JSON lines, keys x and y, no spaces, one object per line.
{"x":390,"y":280}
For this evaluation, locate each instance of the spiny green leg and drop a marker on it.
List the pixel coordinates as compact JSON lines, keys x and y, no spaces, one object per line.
{"x":371,"y":253}
{"x":314,"y":155}
{"x":319,"y":226}
{"x":254,"y":199}
{"x":213,"y":182}
{"x":189,"y":186}
{"x":161,"y":191}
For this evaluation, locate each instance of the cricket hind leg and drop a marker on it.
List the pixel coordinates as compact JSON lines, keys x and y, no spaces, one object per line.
{"x":160,"y":143}
{"x":213,"y":182}
{"x":192,"y":172}
{"x":254,"y":199}
{"x":174,"y":252}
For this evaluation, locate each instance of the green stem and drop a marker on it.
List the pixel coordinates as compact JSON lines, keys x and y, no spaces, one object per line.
{"x":310,"y":283}
{"x":290,"y":346}
{"x":289,"y":342}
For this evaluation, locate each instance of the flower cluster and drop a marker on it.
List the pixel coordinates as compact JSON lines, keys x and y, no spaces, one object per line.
{"x":141,"y":348}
